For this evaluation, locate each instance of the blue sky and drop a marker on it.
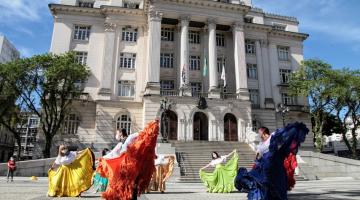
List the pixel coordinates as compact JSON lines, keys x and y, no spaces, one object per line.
{"x":333,"y":25}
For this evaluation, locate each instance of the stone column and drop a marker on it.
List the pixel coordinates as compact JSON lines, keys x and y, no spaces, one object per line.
{"x":269,"y":102}
{"x":184,"y":56}
{"x":182,"y":130}
{"x":260,"y":72}
{"x":213,"y":73}
{"x":109,"y":52}
{"x":153,"y":53}
{"x":240,"y":62}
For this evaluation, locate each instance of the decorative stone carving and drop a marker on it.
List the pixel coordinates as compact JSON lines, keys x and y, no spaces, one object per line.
{"x":109,"y":27}
{"x":155,"y":15}
{"x":238,"y":26}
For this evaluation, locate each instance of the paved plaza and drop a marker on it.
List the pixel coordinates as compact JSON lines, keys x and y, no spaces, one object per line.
{"x":329,"y":189}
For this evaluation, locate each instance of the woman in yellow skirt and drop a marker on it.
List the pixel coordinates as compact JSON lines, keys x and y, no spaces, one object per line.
{"x":164,"y":166}
{"x":71,"y":173}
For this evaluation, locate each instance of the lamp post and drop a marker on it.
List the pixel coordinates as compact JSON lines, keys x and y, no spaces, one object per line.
{"x":282,"y":109}
{"x":165,"y":107}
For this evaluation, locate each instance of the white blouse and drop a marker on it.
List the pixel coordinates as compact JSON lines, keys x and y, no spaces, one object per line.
{"x":263,"y":146}
{"x":115,"y":152}
{"x":217,"y":161}
{"x":66,"y":160}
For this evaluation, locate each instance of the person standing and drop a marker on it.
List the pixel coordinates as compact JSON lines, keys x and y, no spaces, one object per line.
{"x":11,"y":168}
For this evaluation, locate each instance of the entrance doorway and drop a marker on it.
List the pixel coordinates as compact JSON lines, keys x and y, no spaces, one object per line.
{"x":230,"y":128}
{"x":200,"y":126}
{"x":169,"y":125}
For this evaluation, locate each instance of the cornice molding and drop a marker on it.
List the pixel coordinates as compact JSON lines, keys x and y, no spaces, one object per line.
{"x":212,"y":4}
{"x":102,"y":11}
{"x":272,"y":32}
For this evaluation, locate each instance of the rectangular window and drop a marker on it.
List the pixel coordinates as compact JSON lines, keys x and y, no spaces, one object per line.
{"x":194,"y":63}
{"x":248,"y":19}
{"x":286,"y":99}
{"x":129,"y":34}
{"x":167,"y":85}
{"x":252,"y":71}
{"x":283,"y":53}
{"x":82,"y":32}
{"x":131,"y":5}
{"x":220,"y":40}
{"x":250,"y":47}
{"x":167,"y":60}
{"x":281,"y":27}
{"x":167,"y":34}
{"x":81,"y":57}
{"x":127,"y":60}
{"x":167,"y":88}
{"x":284,"y":75}
{"x":126,"y":88}
{"x":86,"y":4}
{"x":195,"y":89}
{"x":194,"y":37}
{"x":254,"y":98}
{"x":220,"y":62}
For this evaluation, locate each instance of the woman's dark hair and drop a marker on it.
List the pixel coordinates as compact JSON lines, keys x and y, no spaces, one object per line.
{"x":104,"y":151}
{"x":124,"y":133}
{"x":217,"y":155}
{"x":264,"y":130}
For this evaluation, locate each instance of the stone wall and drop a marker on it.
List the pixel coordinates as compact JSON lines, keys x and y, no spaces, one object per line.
{"x":318,"y":166}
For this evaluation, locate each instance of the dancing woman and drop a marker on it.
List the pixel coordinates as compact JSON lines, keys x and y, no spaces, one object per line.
{"x":268,"y":179}
{"x":100,"y":183}
{"x":71,"y":173}
{"x":221,"y":180}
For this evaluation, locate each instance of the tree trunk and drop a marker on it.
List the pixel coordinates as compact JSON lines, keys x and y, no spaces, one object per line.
{"x":354,"y":151}
{"x":46,"y":151}
{"x":18,"y":141}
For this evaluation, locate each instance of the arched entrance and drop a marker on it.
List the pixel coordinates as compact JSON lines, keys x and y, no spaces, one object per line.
{"x":200,"y":126}
{"x":230,"y":128}
{"x":169,"y":125}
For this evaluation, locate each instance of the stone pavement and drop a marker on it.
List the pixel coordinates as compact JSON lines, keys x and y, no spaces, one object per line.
{"x":329,"y":189}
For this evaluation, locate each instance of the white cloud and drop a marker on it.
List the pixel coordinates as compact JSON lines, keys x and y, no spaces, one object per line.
{"x":23,"y":10}
{"x":328,"y":17}
{"x":25,"y":52}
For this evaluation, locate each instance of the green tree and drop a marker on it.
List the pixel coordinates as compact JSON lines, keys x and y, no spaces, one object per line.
{"x":47,"y":87}
{"x":345,"y":96}
{"x":312,"y":80}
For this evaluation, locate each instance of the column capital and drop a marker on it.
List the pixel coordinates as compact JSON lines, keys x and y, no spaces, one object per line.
{"x":211,"y":21}
{"x":155,"y":15}
{"x":263,"y":43}
{"x":238,"y":26}
{"x":109,"y":27}
{"x":184,"y":20}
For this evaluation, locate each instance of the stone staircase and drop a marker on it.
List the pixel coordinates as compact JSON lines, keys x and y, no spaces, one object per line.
{"x":192,"y":156}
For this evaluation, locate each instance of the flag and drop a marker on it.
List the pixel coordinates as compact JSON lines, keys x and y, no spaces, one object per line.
{"x":205,"y":66}
{"x":183,"y":76}
{"x":223,"y":76}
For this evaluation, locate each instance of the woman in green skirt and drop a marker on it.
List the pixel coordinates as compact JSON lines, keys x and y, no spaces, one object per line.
{"x":221,"y":180}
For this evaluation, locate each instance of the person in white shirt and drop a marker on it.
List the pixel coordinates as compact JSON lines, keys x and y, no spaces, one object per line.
{"x":65,"y":157}
{"x":264,"y":144}
{"x":120,"y":136}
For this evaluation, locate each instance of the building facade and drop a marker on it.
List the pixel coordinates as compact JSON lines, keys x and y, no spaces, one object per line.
{"x":8,"y":52}
{"x":141,"y":51}
{"x":28,"y":129}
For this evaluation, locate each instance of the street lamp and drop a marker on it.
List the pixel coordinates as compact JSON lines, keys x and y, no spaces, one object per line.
{"x":282,"y":109}
{"x":165,"y":107}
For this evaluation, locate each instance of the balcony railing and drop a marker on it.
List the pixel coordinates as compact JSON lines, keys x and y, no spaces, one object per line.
{"x":169,"y":92}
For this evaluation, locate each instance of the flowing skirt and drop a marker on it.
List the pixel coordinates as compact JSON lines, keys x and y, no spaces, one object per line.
{"x":268,"y":180}
{"x":73,"y":179}
{"x":132,"y":171}
{"x":221,"y":180}
{"x":161,"y":174}
{"x":99,"y":183}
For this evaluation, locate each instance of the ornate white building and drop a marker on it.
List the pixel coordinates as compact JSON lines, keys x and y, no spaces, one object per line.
{"x":141,"y":51}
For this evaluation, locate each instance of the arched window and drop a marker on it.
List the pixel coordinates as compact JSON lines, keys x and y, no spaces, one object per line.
{"x":124,"y":121}
{"x":71,"y":124}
